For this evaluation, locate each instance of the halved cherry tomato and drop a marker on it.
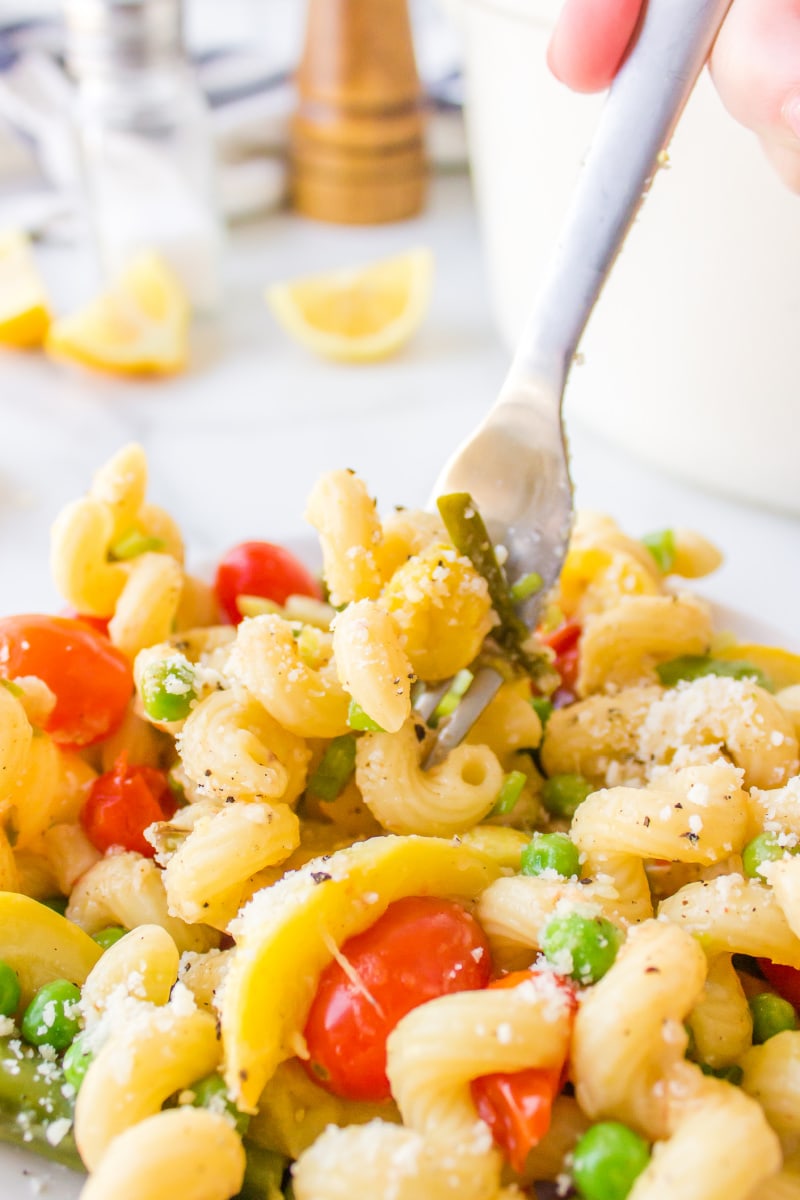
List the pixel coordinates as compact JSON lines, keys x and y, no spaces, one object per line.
{"x":421,"y":948}
{"x":517,"y":1105}
{"x":99,"y":624}
{"x":122,"y":803}
{"x":565,"y":642}
{"x":91,"y":680}
{"x":261,"y":569}
{"x":785,"y":980}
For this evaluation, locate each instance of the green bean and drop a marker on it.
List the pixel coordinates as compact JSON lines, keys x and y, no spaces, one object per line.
{"x":695,"y":666}
{"x":335,"y":768}
{"x":31,"y":1099}
{"x":661,"y":545}
{"x":470,"y":537}
{"x":361,"y":721}
{"x":263,"y":1174}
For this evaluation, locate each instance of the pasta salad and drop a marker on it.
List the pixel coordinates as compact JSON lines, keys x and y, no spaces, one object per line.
{"x":253,"y":943}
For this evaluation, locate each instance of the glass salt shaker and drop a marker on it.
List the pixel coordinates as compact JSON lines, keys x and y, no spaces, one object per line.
{"x":146,"y":151}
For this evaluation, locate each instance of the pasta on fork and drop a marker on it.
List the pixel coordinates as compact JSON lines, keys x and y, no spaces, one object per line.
{"x":252,"y":946}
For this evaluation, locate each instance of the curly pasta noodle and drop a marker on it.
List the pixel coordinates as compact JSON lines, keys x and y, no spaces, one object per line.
{"x":442,"y":607}
{"x":720,"y":1148}
{"x":183,"y":1151}
{"x":128,"y":890}
{"x":231,"y":746}
{"x":406,"y":532}
{"x":152,"y":1053}
{"x":381,"y":1160}
{"x":307,"y":700}
{"x":721,"y":1021}
{"x":731,"y":915}
{"x":205,"y":879}
{"x":449,"y":798}
{"x":696,"y":815}
{"x":630,"y":736}
{"x":622,"y":645}
{"x":140,"y":595}
{"x":439,"y":1048}
{"x":628,"y":1033}
{"x":344,"y":515}
{"x":142,"y":964}
{"x":372,"y":665}
{"x":772,"y":1077}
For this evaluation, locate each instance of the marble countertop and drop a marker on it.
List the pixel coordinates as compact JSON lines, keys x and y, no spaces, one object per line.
{"x":235,"y":444}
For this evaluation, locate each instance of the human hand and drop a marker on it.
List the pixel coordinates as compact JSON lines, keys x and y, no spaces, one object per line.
{"x":755,"y":64}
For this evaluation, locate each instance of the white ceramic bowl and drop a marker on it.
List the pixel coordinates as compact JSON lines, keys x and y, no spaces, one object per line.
{"x":691,"y":359}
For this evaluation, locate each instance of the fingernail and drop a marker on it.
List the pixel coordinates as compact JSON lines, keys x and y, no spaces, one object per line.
{"x":791,"y":114}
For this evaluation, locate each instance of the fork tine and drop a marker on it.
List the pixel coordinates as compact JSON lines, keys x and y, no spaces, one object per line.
{"x":430,"y":700}
{"x":477,"y":697}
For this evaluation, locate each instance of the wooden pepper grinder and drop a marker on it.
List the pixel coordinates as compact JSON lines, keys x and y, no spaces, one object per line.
{"x":357,"y":151}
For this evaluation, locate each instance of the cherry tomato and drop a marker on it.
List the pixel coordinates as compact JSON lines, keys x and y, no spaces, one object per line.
{"x":419,"y":949}
{"x":565,"y":641}
{"x":122,"y":803}
{"x":261,"y":569}
{"x":517,"y":1105}
{"x":785,"y":980}
{"x":99,"y":624}
{"x":91,"y":679}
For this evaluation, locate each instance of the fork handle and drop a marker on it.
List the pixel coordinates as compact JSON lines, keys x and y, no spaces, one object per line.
{"x":637,"y":121}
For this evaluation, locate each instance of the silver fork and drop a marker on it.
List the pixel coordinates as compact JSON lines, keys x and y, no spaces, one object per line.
{"x":515,"y":463}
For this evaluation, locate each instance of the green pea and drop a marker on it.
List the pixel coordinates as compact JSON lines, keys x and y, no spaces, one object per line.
{"x":77,"y":1060}
{"x":562,"y":794}
{"x":583,"y":947}
{"x":168,"y":688}
{"x":771,"y":1015}
{"x":107,"y":937}
{"x":764,"y":848}
{"x":212,"y":1092}
{"x":9,"y":990}
{"x":51,"y":1017}
{"x":550,"y":852}
{"x":57,"y":903}
{"x":608,"y":1160}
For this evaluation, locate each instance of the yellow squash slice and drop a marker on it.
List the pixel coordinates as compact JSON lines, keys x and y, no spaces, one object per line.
{"x":289,"y":933}
{"x":41,"y":945}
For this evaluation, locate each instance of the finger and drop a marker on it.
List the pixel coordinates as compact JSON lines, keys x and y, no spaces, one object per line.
{"x":590,"y":40}
{"x":785,"y":160}
{"x":756,"y":68}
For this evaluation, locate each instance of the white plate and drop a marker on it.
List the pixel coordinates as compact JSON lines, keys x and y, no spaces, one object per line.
{"x":24,"y":1176}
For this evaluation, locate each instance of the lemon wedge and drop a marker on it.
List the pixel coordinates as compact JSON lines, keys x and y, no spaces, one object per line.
{"x":24,"y":314}
{"x":138,"y":327}
{"x":358,"y":315}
